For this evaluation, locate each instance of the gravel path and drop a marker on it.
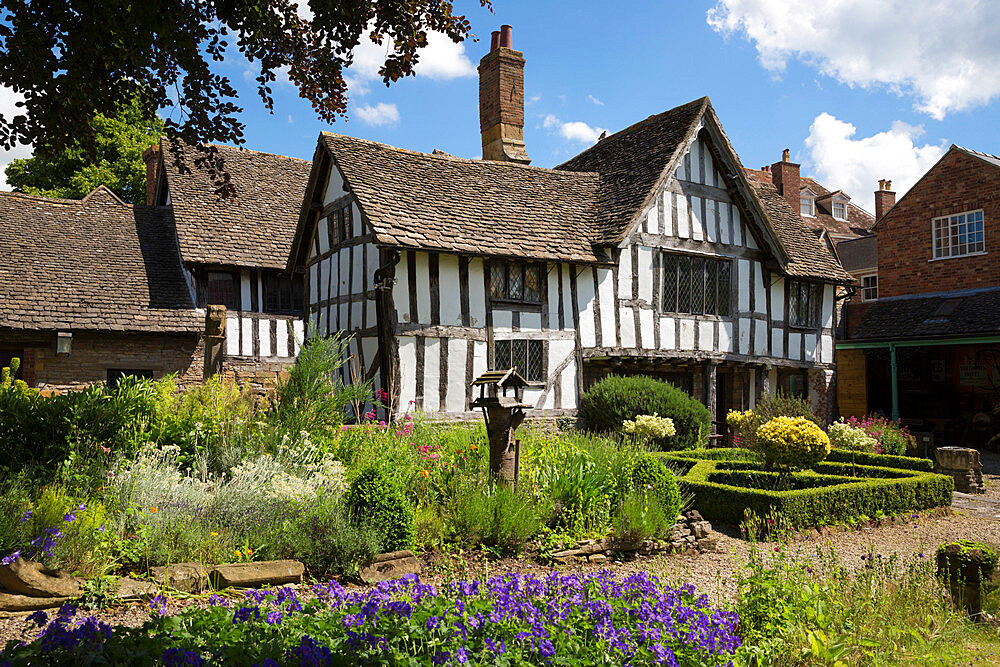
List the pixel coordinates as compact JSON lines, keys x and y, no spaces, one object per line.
{"x":711,"y":573}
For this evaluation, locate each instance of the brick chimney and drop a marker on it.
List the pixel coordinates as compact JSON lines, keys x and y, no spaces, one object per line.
{"x":885,"y":198}
{"x":151,"y":156}
{"x":501,"y":100}
{"x":785,"y":176}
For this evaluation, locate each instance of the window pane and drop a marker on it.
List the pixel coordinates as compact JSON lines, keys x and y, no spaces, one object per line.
{"x":286,"y":295}
{"x":724,"y":287}
{"x":497,"y":282}
{"x":333,"y":228}
{"x":793,"y":304}
{"x":816,"y":312}
{"x":271,"y":294}
{"x":515,"y":281}
{"x":711,"y":287}
{"x":683,"y":284}
{"x":670,"y":283}
{"x":532,"y":283}
{"x":518,"y":356}
{"x":698,"y":285}
{"x":220,"y":290}
{"x":501,"y":355}
{"x":534,"y":361}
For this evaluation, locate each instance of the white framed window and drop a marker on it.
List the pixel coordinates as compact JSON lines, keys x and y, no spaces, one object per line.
{"x":869,"y":287}
{"x":840,"y":210}
{"x":958,"y":235}
{"x":806,"y":207}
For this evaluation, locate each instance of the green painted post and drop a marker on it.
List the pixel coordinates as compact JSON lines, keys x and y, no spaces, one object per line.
{"x":895,"y":382}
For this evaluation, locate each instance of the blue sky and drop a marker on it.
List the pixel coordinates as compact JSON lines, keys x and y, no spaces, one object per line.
{"x":857,"y":89}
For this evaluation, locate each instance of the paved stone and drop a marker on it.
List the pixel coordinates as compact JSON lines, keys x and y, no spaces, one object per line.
{"x":263,"y":573}
{"x":26,"y":577}
{"x":983,"y":507}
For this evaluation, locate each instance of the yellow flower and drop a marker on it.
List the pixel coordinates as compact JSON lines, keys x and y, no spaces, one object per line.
{"x":425,"y":473}
{"x":249,"y":552}
{"x":239,"y":554}
{"x":152,"y":510}
{"x":214,"y":534}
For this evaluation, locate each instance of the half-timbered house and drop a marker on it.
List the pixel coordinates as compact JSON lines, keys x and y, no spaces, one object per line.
{"x":650,"y":252}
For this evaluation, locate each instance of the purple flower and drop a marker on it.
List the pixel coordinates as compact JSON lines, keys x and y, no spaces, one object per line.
{"x":39,"y":618}
{"x":69,"y":517}
{"x":274,"y":618}
{"x":27,"y":515}
{"x":158,"y":605}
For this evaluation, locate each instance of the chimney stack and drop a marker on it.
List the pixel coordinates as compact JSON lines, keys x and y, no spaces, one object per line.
{"x":501,"y":100}
{"x":151,"y":156}
{"x":785,"y":176}
{"x":885,"y":198}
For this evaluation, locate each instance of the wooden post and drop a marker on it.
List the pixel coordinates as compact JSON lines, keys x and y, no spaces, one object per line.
{"x":711,"y":368}
{"x":503,"y":447}
{"x":215,"y":337}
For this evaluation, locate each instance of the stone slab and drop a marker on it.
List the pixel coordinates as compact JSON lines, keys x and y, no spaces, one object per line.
{"x":390,"y":566}
{"x":262,"y":573}
{"x":30,"y":578}
{"x":135,"y":589}
{"x":12,"y":604}
{"x":185,"y":577}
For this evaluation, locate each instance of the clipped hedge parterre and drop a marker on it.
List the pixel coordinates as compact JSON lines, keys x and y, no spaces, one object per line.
{"x":831,"y":493}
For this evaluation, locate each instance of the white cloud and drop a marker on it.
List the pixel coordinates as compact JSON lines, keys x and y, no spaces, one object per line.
{"x":534,"y":99}
{"x":945,"y":54}
{"x":8,"y":99}
{"x":440,"y":60}
{"x":591,"y":98}
{"x":855,"y":165}
{"x":380,"y":114}
{"x":574,"y":130}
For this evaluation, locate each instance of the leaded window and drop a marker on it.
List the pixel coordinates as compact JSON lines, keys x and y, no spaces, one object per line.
{"x":805,"y":302}
{"x":516,"y":281}
{"x":697,"y":285}
{"x":220,"y":289}
{"x":523,"y":355}
{"x":281,"y":294}
{"x":958,"y":235}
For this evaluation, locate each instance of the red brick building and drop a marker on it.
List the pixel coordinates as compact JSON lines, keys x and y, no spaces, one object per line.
{"x":926,"y":349}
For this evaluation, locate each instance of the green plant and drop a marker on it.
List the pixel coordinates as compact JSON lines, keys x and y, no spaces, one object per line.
{"x":771,"y":527}
{"x":609,"y":402}
{"x":641,"y":514}
{"x":845,"y":436}
{"x":727,"y":482}
{"x":310,"y":400}
{"x":651,"y":474}
{"x":493,"y":515}
{"x":792,"y":442}
{"x":321,"y":535}
{"x":374,"y":501}
{"x":892,"y":438}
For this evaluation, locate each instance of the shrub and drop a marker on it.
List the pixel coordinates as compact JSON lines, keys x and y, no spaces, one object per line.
{"x":767,"y":408}
{"x":614,"y":399}
{"x":374,"y":501}
{"x":650,"y":427}
{"x":893,"y":439}
{"x":882,"y":460}
{"x":493,"y":515}
{"x":321,"y":535}
{"x":792,"y":442}
{"x":845,"y":436}
{"x":651,"y":473}
{"x":835,"y":492}
{"x":641,"y":515}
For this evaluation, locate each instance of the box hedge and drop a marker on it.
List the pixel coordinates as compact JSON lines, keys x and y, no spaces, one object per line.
{"x":832,"y":492}
{"x":612,"y":400}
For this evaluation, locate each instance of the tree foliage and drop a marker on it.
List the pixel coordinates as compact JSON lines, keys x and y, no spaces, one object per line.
{"x":115,"y":161}
{"x":74,"y":60}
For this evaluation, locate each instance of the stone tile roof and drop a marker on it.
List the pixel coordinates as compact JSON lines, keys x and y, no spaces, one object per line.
{"x":94,"y":264}
{"x":858,"y":254}
{"x":436,"y":202}
{"x":256,"y":227}
{"x":631,"y":163}
{"x":946,"y":314}
{"x":858,"y":222}
{"x":807,"y":256}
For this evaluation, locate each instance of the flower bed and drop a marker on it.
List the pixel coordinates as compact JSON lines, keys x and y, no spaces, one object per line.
{"x":830,"y":493}
{"x":513,"y":619}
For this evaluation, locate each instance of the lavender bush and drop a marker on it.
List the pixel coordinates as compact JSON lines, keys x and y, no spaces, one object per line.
{"x":514,"y":619}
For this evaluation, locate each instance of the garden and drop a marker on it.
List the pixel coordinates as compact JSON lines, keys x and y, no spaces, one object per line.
{"x":112,"y":483}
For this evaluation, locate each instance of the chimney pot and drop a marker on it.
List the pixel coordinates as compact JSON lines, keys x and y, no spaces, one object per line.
{"x":507,"y":36}
{"x":786,"y":155}
{"x":494,"y":41}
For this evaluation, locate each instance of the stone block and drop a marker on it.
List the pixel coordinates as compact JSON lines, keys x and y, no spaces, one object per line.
{"x":185,"y":577}
{"x":597,"y":558}
{"x":390,"y":566}
{"x":30,"y":578}
{"x":709,"y":544}
{"x":701,"y":529}
{"x":693,"y":516}
{"x":957,"y":458}
{"x":253,"y":575}
{"x":14,"y":604}
{"x":135,"y":589}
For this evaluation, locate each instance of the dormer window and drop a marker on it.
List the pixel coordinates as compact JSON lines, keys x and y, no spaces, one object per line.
{"x":840,"y":210}
{"x":807,"y":207}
